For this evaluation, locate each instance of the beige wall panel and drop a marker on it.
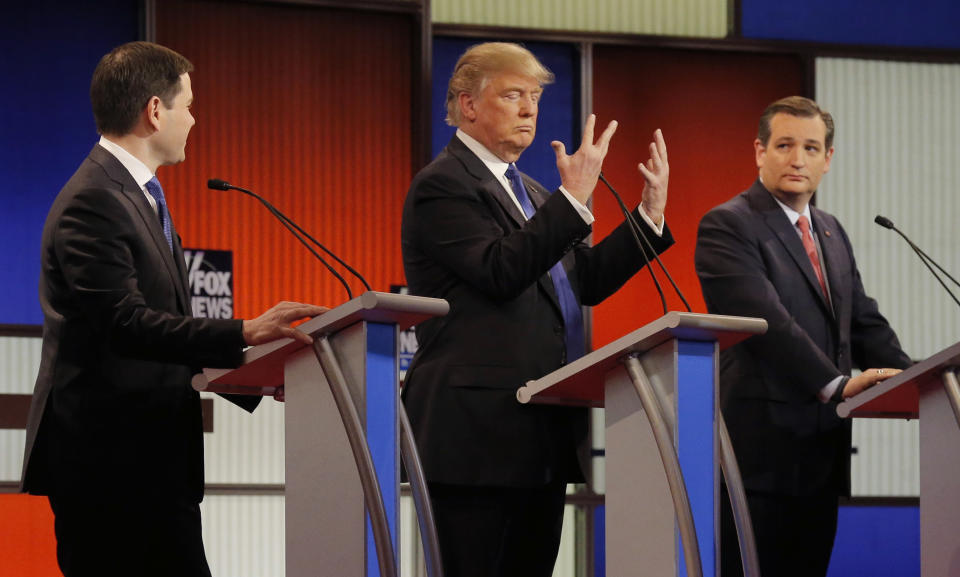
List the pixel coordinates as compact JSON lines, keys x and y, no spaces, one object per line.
{"x":19,"y":361}
{"x":897,"y":154}
{"x":704,"y":18}
{"x":244,"y":535}
{"x":245,"y":447}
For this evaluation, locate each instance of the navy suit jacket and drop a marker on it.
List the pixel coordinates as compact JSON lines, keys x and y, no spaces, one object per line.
{"x":113,"y":411}
{"x":751,"y":262}
{"x":464,"y":240}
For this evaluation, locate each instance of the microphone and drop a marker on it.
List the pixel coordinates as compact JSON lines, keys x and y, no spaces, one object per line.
{"x":296,"y":231}
{"x":638,"y":233}
{"x":924,"y":257}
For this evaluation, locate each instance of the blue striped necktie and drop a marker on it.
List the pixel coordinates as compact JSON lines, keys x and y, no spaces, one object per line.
{"x":156,"y":191}
{"x":572,"y":315}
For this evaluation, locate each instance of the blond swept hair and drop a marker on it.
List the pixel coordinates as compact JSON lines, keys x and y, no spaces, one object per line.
{"x":482,"y":61}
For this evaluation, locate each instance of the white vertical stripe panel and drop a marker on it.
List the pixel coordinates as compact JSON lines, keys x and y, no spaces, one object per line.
{"x":566,"y":565}
{"x":19,"y":361}
{"x":245,"y":447}
{"x":887,"y":461}
{"x":897,"y":154}
{"x":411,"y":551}
{"x":708,"y":18}
{"x":244,"y":535}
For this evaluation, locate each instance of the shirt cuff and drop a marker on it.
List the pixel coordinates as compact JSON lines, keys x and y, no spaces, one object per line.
{"x":649,"y":221}
{"x":826,"y":393}
{"x":582,"y":210}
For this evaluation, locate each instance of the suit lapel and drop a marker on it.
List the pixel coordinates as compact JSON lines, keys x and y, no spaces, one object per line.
{"x":151,"y":223}
{"x":489,"y":184}
{"x":778,"y":222}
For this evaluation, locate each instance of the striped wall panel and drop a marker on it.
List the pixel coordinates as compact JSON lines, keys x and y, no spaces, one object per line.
{"x":705,"y":18}
{"x":897,"y":154}
{"x":310,"y":107}
{"x":245,"y":447}
{"x":244,"y":535}
{"x":19,"y":361}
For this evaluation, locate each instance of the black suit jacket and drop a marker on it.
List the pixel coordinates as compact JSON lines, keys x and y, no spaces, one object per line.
{"x":751,"y":262}
{"x":464,"y":240}
{"x":113,"y":411}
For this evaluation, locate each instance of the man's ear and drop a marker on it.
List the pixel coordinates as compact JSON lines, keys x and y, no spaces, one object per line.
{"x":152,"y":112}
{"x":468,"y":106}
{"x":826,"y":166}
{"x":760,"y":149}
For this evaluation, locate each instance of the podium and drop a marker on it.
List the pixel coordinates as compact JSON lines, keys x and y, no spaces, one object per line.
{"x":342,"y":428}
{"x":657,"y":385}
{"x":929,"y":391}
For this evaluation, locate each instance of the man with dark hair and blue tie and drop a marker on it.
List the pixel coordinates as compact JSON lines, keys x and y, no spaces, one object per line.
{"x":510,"y":259}
{"x":114,"y":435}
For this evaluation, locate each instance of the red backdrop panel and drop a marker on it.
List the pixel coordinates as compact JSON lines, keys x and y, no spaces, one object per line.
{"x":26,"y":534}
{"x":708,"y":105}
{"x":310,"y":107}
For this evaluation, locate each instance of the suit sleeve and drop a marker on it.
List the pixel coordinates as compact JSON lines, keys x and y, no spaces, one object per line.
{"x":98,"y":248}
{"x":455,"y":227}
{"x":733,"y":278}
{"x":604,"y":268}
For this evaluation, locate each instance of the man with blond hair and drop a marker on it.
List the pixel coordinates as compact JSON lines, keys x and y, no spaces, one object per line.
{"x":510,"y":259}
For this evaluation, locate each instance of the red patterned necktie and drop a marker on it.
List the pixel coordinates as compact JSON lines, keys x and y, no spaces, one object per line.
{"x":811,"y":250}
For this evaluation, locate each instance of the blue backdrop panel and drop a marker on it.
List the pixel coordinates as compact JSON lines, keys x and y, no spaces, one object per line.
{"x":921,"y":23}
{"x":559,"y":115}
{"x":880,"y":541}
{"x":50,"y":49}
{"x":696,"y":443}
{"x":383,"y":429}
{"x":875,"y":541}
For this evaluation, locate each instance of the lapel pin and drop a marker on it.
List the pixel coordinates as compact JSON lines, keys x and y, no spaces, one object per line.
{"x":826,"y":232}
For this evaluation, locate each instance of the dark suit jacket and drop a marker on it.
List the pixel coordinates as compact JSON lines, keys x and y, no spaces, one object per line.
{"x":751,"y":262}
{"x":113,"y":411}
{"x":464,"y":240}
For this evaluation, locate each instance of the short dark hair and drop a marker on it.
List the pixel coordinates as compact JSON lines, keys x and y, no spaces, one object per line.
{"x":128,"y":77}
{"x":794,"y":106}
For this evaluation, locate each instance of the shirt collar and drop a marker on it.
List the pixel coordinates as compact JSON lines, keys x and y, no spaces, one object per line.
{"x":137,"y":169}
{"x":491,"y":160}
{"x":793,"y":215}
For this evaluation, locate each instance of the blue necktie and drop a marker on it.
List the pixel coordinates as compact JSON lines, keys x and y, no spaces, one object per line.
{"x":156,"y":191}
{"x":572,"y":315}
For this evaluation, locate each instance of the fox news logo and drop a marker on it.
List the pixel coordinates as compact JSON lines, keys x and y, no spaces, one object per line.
{"x":211,"y":282}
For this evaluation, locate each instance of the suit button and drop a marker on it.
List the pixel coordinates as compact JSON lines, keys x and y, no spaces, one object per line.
{"x":558,"y":329}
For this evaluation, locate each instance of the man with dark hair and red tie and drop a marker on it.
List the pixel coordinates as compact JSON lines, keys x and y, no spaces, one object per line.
{"x":768,"y":253}
{"x":114,"y":435}
{"x":510,"y":259}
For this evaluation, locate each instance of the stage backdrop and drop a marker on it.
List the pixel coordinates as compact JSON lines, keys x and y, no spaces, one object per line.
{"x":708,"y":105}
{"x":311,"y":108}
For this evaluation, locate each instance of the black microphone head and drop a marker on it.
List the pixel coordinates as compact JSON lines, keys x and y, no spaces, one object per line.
{"x":884,"y":222}
{"x":217,"y":184}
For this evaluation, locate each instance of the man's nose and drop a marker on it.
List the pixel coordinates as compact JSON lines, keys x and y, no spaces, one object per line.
{"x":798,"y":158}
{"x":528,"y":106}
